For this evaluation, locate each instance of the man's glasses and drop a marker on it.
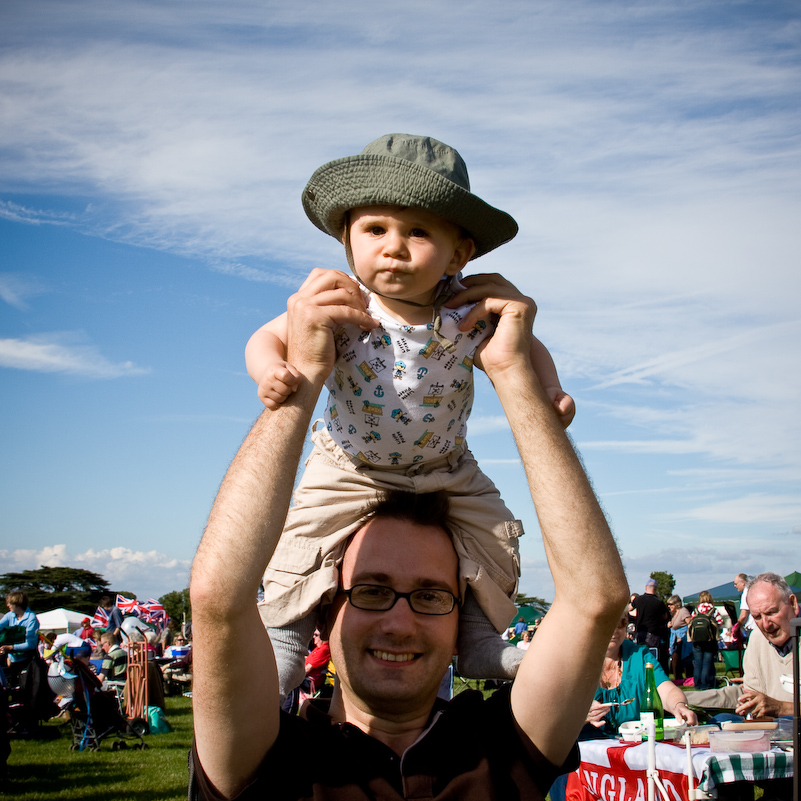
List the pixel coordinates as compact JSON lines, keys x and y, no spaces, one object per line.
{"x":375,"y":598}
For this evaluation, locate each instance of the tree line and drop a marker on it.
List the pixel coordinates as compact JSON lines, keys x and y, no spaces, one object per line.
{"x":80,"y":590}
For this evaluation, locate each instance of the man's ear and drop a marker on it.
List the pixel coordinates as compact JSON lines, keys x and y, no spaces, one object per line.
{"x":794,"y":602}
{"x":464,"y":249}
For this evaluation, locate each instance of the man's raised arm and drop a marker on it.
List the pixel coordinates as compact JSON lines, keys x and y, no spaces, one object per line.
{"x":235,"y":682}
{"x":559,"y":674}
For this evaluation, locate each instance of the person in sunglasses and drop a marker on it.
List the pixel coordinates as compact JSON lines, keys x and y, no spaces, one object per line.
{"x":393,"y":622}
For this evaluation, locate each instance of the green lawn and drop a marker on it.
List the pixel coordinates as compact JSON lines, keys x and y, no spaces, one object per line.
{"x":46,"y":768}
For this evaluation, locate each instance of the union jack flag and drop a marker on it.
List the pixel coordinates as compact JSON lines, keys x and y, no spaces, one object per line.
{"x":153,"y":612}
{"x":154,"y":607}
{"x":100,"y":619}
{"x":128,"y":606}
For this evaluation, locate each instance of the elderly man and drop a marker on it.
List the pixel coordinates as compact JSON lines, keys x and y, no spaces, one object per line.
{"x":769,"y":655}
{"x":393,"y":625}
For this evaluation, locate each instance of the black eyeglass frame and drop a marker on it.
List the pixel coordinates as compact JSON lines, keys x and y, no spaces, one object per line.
{"x":457,"y":601}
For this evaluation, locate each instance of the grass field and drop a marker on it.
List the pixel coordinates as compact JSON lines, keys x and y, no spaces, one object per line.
{"x":46,"y":768}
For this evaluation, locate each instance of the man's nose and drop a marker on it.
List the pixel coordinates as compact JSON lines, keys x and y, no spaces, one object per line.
{"x":400,"y":617}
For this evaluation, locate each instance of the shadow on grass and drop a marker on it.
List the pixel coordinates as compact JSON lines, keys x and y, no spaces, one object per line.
{"x":81,"y":782}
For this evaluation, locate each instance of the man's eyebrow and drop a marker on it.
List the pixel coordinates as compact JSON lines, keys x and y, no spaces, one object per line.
{"x":372,"y":577}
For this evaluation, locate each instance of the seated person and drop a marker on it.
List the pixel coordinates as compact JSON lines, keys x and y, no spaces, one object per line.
{"x":768,"y":660}
{"x":623,"y":677}
{"x":176,"y":650}
{"x":178,"y":674}
{"x":115,"y":661}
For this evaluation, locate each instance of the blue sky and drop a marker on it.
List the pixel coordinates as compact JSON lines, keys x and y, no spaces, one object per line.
{"x":152,"y":157}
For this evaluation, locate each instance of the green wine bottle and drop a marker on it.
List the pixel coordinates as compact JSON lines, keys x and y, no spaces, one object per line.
{"x":651,"y":706}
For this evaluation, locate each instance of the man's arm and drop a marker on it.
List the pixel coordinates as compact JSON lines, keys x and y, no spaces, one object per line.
{"x":557,"y":679}
{"x":236,"y":707}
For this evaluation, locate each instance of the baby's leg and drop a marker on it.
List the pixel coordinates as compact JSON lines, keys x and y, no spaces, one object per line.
{"x":291,"y":647}
{"x":482,"y":652}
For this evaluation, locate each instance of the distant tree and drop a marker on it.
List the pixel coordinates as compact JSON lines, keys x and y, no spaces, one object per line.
{"x":176,"y":605}
{"x":664,"y":583}
{"x":54,"y":587}
{"x":540,"y":604}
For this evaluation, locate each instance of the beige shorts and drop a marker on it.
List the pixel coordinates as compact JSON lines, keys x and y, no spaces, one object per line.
{"x":328,"y":506}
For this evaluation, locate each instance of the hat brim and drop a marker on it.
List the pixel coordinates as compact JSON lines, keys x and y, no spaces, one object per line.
{"x":371,"y":180}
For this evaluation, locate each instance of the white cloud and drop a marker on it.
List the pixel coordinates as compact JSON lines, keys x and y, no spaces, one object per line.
{"x":47,"y":354}
{"x":16,"y":289}
{"x":149,"y":574}
{"x":749,"y":508}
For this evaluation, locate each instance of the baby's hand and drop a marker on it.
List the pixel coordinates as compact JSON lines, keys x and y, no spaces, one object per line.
{"x":277,"y":383}
{"x":563,"y":405}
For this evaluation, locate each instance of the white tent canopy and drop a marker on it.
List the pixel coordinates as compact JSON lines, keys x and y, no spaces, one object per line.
{"x":60,"y":620}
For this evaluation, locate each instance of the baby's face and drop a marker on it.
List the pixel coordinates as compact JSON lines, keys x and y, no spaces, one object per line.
{"x":402,"y":253}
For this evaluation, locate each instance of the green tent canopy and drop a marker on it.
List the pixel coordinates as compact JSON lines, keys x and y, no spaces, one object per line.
{"x":530,"y":616}
{"x":794,"y":579}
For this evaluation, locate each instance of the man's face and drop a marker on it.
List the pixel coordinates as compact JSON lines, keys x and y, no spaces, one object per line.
{"x":771,"y":613}
{"x":739,"y":583}
{"x":392,"y":662}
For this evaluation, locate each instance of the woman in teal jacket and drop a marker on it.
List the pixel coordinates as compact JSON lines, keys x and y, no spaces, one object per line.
{"x":623,"y":677}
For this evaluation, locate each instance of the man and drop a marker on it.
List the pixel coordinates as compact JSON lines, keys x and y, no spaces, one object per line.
{"x":115,"y":661}
{"x":86,"y":631}
{"x":652,"y":622}
{"x":392,"y":642}
{"x":316,"y":664}
{"x":744,"y":625}
{"x":769,"y":655}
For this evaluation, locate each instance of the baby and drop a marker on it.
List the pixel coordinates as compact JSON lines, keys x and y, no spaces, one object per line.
{"x":399,"y":395}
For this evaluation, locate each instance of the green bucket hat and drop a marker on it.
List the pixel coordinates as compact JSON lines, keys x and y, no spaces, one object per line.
{"x":405,"y":170}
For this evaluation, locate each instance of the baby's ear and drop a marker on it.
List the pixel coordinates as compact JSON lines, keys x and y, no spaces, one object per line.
{"x":464,"y":250}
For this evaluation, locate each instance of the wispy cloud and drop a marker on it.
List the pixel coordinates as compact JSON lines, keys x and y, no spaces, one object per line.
{"x":749,"y":508}
{"x":49,"y":354}
{"x":16,"y":289}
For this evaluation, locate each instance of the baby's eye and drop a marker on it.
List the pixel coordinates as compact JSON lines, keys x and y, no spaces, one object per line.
{"x":376,"y":230}
{"x":419,"y":232}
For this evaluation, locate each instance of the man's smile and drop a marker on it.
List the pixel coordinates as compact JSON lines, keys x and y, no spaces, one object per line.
{"x":389,"y":657}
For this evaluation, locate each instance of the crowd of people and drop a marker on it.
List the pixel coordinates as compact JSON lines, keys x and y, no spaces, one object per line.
{"x":41,"y":673}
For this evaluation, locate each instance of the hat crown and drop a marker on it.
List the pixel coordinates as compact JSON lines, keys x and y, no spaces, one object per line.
{"x":424,"y":151}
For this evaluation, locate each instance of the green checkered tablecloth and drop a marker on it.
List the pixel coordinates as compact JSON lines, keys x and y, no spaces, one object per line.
{"x":725,"y":768}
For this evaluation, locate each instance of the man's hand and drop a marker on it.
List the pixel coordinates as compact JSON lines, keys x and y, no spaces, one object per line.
{"x":511,"y":342}
{"x":759,"y":705}
{"x":326,"y":300}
